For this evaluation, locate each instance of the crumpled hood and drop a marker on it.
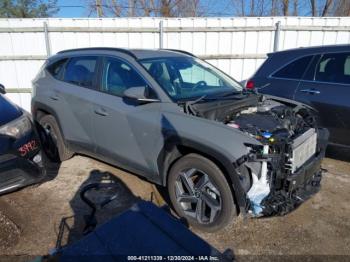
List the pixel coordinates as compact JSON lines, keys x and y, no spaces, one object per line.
{"x":8,"y":111}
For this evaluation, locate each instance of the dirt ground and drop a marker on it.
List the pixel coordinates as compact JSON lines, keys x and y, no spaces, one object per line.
{"x":30,"y":218}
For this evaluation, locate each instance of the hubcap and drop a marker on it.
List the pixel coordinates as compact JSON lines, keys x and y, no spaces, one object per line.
{"x":198,"y":196}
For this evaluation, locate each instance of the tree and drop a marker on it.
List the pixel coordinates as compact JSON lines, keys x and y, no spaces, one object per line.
{"x":193,"y":8}
{"x":163,"y":8}
{"x":295,"y":7}
{"x":319,"y":8}
{"x":324,"y":7}
{"x":285,"y":7}
{"x":27,"y":8}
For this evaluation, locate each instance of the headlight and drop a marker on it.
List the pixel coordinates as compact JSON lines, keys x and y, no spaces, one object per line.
{"x":17,"y":127}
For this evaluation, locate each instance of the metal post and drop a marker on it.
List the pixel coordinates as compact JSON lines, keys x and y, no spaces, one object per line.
{"x":161,"y":34}
{"x":277,"y":36}
{"x":47,"y":40}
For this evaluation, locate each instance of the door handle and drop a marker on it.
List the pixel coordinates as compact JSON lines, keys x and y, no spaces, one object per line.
{"x":54,"y":97}
{"x":101,"y":112}
{"x":311,"y":91}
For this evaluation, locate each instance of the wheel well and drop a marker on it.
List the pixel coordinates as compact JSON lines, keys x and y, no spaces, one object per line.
{"x":39,"y":114}
{"x":185,"y":150}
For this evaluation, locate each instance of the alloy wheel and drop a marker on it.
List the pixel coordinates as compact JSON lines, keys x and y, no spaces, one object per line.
{"x":197,"y":195}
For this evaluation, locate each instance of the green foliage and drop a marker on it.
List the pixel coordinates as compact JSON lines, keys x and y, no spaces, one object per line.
{"x":27,"y":8}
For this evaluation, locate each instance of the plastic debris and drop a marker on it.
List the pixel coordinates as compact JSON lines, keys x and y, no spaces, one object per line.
{"x":260,"y":188}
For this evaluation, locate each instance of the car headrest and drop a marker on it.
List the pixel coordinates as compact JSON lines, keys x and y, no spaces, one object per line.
{"x":77,"y":73}
{"x":115,"y":74}
{"x":156,"y":70}
{"x":334,"y":67}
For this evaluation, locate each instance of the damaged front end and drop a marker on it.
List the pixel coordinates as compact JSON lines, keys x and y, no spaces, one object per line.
{"x":285,"y":169}
{"x":290,"y":172}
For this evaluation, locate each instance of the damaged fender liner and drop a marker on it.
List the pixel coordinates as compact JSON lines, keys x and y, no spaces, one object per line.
{"x":293,"y":189}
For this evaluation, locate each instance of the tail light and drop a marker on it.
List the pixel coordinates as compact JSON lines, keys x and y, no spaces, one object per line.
{"x":249,"y":84}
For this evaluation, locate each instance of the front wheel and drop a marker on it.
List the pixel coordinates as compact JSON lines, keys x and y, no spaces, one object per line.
{"x":52,"y":140}
{"x":200,"y":193}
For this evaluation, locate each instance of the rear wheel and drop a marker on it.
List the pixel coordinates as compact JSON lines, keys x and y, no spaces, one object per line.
{"x":200,"y":193}
{"x":52,"y":140}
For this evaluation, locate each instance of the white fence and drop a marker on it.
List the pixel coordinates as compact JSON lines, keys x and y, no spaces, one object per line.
{"x":236,"y":45}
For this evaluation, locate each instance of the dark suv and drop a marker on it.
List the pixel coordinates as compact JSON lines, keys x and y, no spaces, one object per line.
{"x":181,"y":123}
{"x":317,"y":76}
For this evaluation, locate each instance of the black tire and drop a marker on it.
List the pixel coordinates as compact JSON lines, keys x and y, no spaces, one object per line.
{"x":217,"y":190}
{"x":52,"y":140}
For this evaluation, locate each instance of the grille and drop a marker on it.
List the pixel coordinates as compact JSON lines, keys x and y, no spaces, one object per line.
{"x":304,"y":147}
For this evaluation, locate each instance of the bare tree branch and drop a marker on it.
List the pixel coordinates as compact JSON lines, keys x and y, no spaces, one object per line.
{"x":285,"y":7}
{"x":326,"y":7}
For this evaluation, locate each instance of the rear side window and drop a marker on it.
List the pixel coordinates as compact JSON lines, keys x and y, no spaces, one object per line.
{"x":295,"y":69}
{"x":56,"y":69}
{"x":81,"y":70}
{"x":334,"y":68}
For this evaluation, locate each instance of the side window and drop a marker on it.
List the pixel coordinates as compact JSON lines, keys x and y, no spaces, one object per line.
{"x":80,"y":71}
{"x":295,"y":69}
{"x":310,"y":73}
{"x":118,"y":76}
{"x":160,"y":72}
{"x":334,"y":68}
{"x":56,"y":69}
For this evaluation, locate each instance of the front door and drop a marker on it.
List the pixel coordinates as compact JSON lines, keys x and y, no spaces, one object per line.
{"x":327,"y":88}
{"x":124,"y":129}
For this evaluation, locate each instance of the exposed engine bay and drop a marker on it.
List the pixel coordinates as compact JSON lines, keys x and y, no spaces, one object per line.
{"x":272,"y":175}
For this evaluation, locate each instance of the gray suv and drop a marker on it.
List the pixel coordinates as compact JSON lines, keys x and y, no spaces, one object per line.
{"x":181,"y":123}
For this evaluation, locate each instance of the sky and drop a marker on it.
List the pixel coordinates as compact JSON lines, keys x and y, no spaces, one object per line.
{"x":72,"y":8}
{"x":71,"y":11}
{"x":77,"y":8}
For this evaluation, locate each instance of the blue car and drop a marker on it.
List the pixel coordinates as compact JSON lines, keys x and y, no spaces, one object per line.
{"x":20,"y":150}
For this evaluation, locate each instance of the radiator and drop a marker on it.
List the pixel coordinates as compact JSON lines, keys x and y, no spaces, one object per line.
{"x":304,"y":147}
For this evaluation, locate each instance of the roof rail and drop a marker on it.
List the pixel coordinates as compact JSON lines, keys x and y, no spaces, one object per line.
{"x":125,"y":51}
{"x":181,"y":51}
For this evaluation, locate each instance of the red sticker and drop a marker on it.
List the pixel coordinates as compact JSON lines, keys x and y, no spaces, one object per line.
{"x":28,"y":147}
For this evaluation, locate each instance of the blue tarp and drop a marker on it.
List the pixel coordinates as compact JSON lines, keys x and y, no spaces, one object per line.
{"x":143,"y":230}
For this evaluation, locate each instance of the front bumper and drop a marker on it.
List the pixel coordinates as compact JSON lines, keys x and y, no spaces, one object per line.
{"x":299,"y":187}
{"x":17,"y":172}
{"x":21,"y":162}
{"x":295,"y":188}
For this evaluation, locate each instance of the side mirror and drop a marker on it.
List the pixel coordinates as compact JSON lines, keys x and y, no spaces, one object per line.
{"x":138,"y":93}
{"x":2,"y":89}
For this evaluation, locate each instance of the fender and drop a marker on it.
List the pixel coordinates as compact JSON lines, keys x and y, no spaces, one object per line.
{"x":171,"y":153}
{"x":36,"y":106}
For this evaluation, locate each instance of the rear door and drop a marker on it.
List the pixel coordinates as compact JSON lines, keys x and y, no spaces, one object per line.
{"x":284,"y":81}
{"x":72,"y":97}
{"x":124,"y":129}
{"x":326,"y":87}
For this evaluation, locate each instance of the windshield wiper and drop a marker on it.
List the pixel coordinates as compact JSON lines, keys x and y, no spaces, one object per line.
{"x":231,"y":93}
{"x":203,"y":97}
{"x":188,"y":105}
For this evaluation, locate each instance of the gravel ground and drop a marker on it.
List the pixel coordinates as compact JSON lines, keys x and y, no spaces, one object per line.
{"x":30,"y":218}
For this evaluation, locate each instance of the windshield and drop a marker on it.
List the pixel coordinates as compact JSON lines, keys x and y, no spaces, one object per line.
{"x":186,"y":78}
